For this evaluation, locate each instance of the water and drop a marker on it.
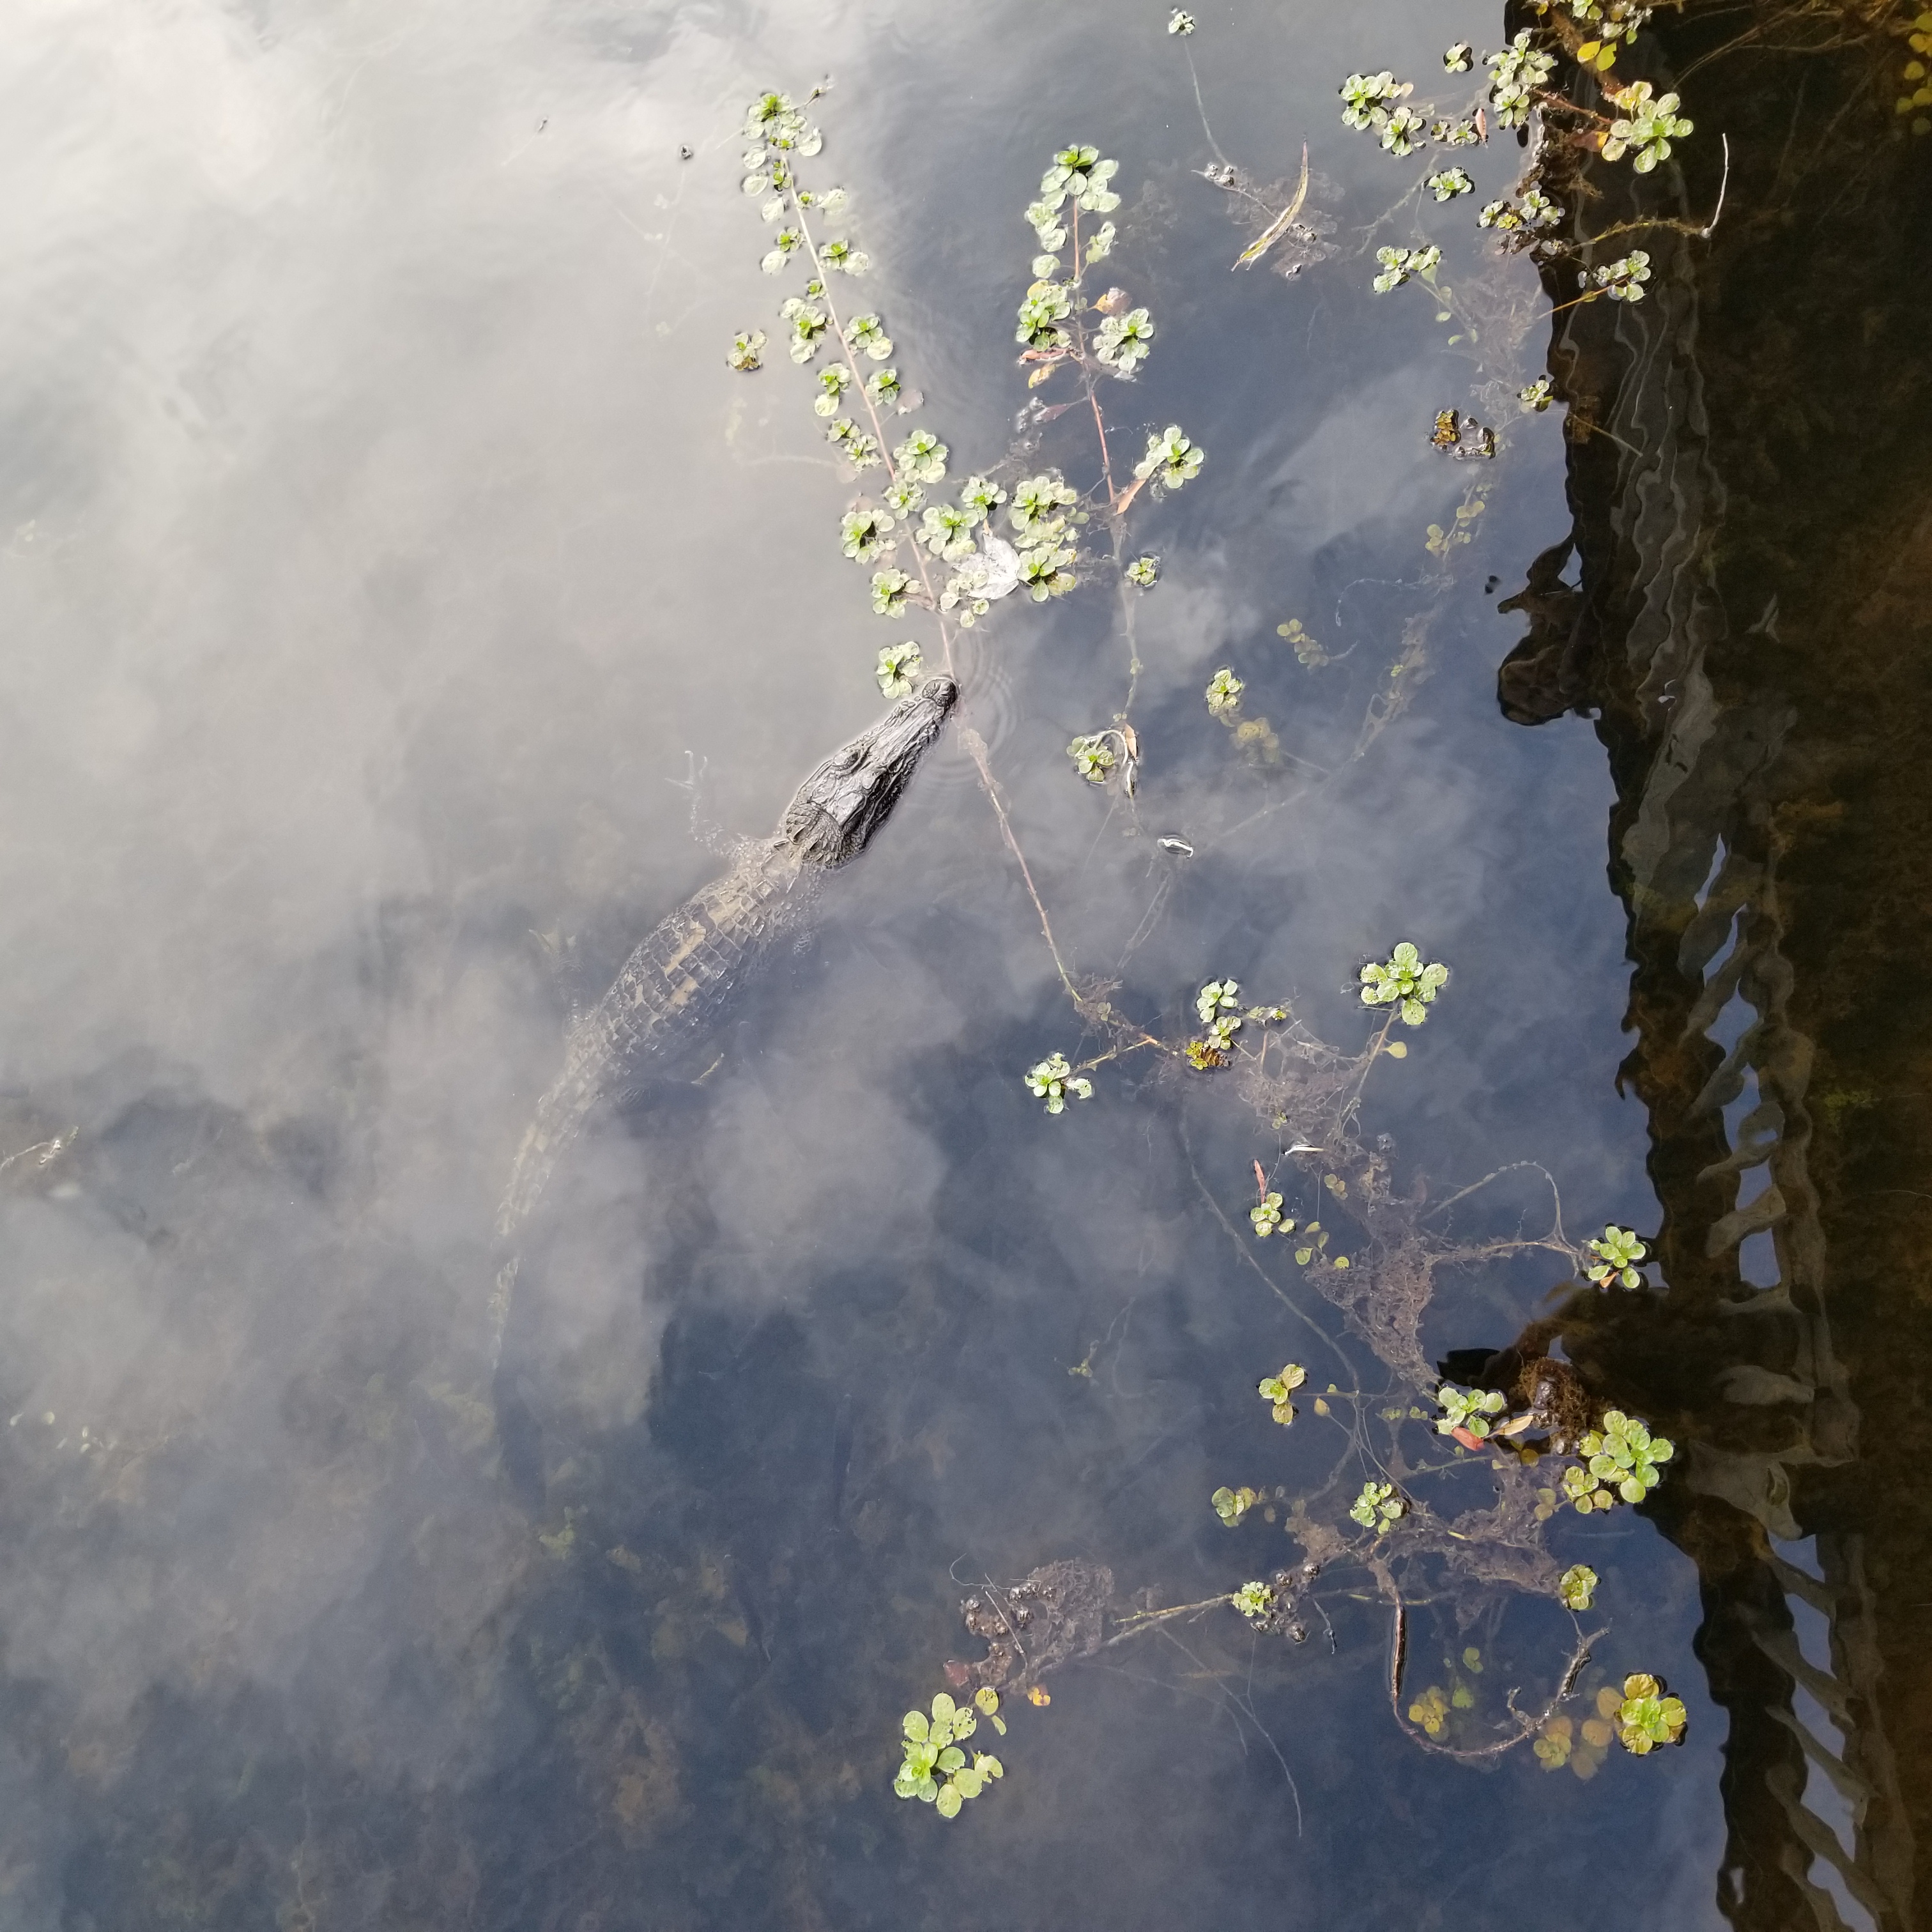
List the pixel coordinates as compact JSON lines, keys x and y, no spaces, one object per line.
{"x":387,"y":528}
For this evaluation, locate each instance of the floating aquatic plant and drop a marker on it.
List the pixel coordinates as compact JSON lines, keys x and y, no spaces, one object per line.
{"x":1404,"y":982}
{"x":864,"y":533}
{"x":1623,"y":279}
{"x":747,"y":348}
{"x":1230,"y":1505}
{"x":1306,"y":649}
{"x":1053,"y":1080}
{"x":1378,"y":1507}
{"x":1646,"y":1718}
{"x":1171,"y":460}
{"x":934,"y":1769}
{"x":1469,"y":1410}
{"x":1124,"y":342}
{"x":1093,"y":757}
{"x":1623,"y":1455}
{"x":1447,"y":183}
{"x":1398,"y":264}
{"x":1224,"y":691}
{"x":1431,"y":1711}
{"x":1516,"y":74}
{"x":1143,"y":572}
{"x":1646,"y":128}
{"x":1267,"y":1219}
{"x":1456,"y":59}
{"x":1618,"y":1252}
{"x":1180,"y":22}
{"x":1254,"y":1601}
{"x":1535,"y":397}
{"x":1577,"y":1587}
{"x":898,"y":665}
{"x":1278,"y":1389}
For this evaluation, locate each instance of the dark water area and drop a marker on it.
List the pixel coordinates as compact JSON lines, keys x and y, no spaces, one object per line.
{"x":389,"y":542}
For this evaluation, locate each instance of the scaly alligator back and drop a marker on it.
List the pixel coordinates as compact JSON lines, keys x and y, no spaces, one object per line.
{"x":673,"y":989}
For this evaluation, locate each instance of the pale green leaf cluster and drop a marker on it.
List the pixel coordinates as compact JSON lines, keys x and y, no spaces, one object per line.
{"x":785,"y":244}
{"x":1403,"y":980}
{"x":1398,"y":264}
{"x":1618,"y":1251}
{"x":1447,"y":183}
{"x":899,"y":665}
{"x":1078,"y":174}
{"x":1053,"y":1080}
{"x":1038,"y":501}
{"x":747,"y":350}
{"x":841,"y":258}
{"x":867,"y":337}
{"x":1456,"y":59}
{"x":934,"y":1769}
{"x":866,"y":534}
{"x":861,"y":448}
{"x":884,"y":387}
{"x":1277,"y":1389}
{"x":1378,"y":1507}
{"x":1516,"y":74}
{"x":1224,"y":692}
{"x":1125,"y":341}
{"x":1171,"y":459}
{"x":1093,"y":757}
{"x":1646,"y":128}
{"x":1467,"y":1409}
{"x":1254,"y":1601}
{"x":1143,"y":572}
{"x":1046,"y":305}
{"x":1535,"y":397}
{"x":1306,"y":649}
{"x":921,"y":457}
{"x":1577,"y":1587}
{"x":1267,"y":1219}
{"x":808,"y":325}
{"x":1180,"y":22}
{"x":833,"y":381}
{"x":890,"y":590}
{"x":1623,"y":279}
{"x":1646,"y":1718}
{"x":946,"y":531}
{"x":1402,"y":129}
{"x":1365,"y":98}
{"x":1230,"y":1505}
{"x":1622,"y":1458}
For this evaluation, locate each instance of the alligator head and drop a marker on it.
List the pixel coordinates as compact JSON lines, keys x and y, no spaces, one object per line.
{"x":833,"y":814}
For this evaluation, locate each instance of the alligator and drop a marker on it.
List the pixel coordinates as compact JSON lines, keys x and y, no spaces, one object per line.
{"x":674,"y":989}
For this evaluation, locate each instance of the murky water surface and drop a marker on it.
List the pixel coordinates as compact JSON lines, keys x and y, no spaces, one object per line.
{"x":387,"y":531}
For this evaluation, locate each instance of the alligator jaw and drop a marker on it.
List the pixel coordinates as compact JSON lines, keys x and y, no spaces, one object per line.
{"x":833,"y":815}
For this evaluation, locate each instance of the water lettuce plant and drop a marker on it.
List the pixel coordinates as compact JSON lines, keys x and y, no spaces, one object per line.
{"x":1230,"y":1505}
{"x":934,"y":1769}
{"x":1618,"y":1251}
{"x":1378,"y":1507}
{"x":1052,"y":1080}
{"x":1267,"y":1217}
{"x":1253,"y":1600}
{"x":899,"y":668}
{"x":1467,"y":1410}
{"x":1277,"y":1390}
{"x":1646,"y":1718}
{"x":1577,"y":1587}
{"x":1623,"y":1455}
{"x":1403,"y":981}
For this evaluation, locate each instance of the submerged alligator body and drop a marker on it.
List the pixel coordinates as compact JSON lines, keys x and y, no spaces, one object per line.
{"x":676,"y":987}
